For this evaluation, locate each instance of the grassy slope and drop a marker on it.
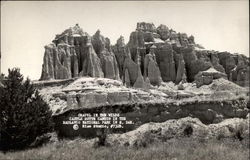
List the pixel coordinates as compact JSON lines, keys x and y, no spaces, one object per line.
{"x":182,"y":149}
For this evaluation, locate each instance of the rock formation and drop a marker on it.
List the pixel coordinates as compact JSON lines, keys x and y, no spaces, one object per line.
{"x":181,"y":129}
{"x":213,"y":103}
{"x":207,"y":77}
{"x":139,"y":83}
{"x":120,"y":52}
{"x":165,"y":59}
{"x":91,"y":64}
{"x":181,"y":71}
{"x":177,"y":57}
{"x":127,"y":79}
{"x":107,"y":57}
{"x":163,"y":31}
{"x":132,"y":69}
{"x":151,"y":69}
{"x":71,"y":54}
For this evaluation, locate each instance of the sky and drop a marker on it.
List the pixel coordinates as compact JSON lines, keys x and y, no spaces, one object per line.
{"x":26,"y":27}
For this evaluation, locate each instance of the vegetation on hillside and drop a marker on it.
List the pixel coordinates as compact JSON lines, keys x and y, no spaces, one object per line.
{"x":23,"y":113}
{"x":174,"y":149}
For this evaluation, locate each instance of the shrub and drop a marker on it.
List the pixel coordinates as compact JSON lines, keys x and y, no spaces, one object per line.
{"x":23,"y":113}
{"x":102,"y":136}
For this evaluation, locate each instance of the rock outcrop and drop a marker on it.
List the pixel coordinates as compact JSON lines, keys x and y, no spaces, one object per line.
{"x":207,"y":77}
{"x":178,"y":57}
{"x":163,"y":31}
{"x":236,"y":67}
{"x":234,"y":128}
{"x":151,"y":69}
{"x":139,"y":83}
{"x":107,"y":57}
{"x":165,"y":59}
{"x":120,"y":52}
{"x":57,"y":62}
{"x":132,"y":69}
{"x":71,"y":54}
{"x":145,"y":80}
{"x":181,"y":70}
{"x":212,"y":103}
{"x":91,"y":64}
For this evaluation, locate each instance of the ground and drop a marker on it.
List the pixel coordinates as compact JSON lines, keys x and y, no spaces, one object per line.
{"x":174,"y":149}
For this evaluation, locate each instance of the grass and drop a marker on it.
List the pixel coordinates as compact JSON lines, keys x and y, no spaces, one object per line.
{"x":174,"y":149}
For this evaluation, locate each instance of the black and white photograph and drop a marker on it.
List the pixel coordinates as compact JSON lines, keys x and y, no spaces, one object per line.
{"x":124,"y":80}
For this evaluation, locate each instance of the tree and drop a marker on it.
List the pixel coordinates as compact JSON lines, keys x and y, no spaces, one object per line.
{"x":23,"y":113}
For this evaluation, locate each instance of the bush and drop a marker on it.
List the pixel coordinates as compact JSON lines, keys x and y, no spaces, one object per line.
{"x":23,"y":113}
{"x":102,"y":136}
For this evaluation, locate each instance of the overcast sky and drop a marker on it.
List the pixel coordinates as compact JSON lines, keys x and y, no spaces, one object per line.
{"x":26,"y":27}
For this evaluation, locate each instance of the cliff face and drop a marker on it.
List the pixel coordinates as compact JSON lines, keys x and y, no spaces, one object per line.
{"x":154,"y":54}
{"x":71,"y":54}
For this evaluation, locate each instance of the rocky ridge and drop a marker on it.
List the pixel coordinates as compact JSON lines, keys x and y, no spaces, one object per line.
{"x":153,"y":54}
{"x":159,"y":75}
{"x":170,"y":131}
{"x":88,"y":92}
{"x":185,"y":127}
{"x":211,"y":103}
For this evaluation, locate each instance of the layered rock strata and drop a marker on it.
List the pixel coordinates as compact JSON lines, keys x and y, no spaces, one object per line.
{"x":74,"y":53}
{"x":213,"y":103}
{"x":206,"y":112}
